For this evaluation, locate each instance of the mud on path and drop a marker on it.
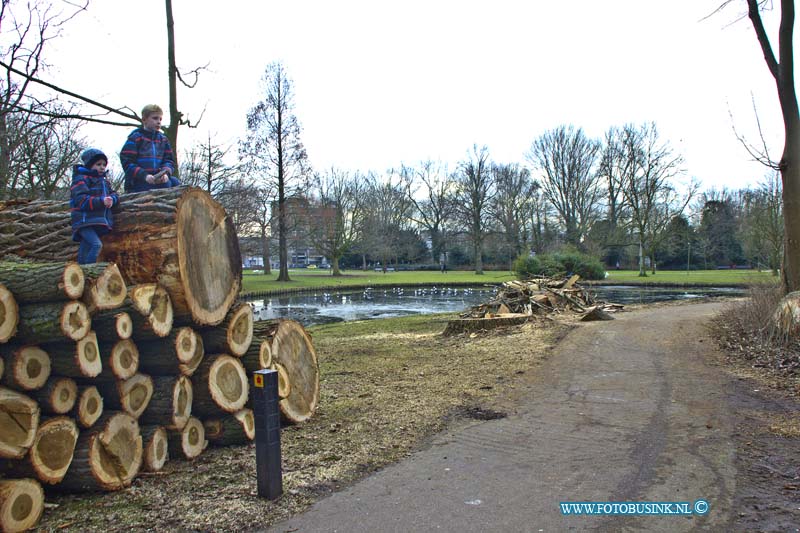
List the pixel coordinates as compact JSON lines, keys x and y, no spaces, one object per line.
{"x":643,"y":408}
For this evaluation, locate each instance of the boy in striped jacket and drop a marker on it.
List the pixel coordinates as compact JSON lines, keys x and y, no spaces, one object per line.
{"x":146,"y":156}
{"x":91,"y":200}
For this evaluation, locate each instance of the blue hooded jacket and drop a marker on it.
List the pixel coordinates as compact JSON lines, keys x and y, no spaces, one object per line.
{"x":86,"y":201}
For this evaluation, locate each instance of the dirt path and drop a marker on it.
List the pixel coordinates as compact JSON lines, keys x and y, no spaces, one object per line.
{"x":632,"y":410}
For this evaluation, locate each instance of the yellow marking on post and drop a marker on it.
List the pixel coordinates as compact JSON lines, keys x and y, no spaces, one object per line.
{"x":258,"y":380}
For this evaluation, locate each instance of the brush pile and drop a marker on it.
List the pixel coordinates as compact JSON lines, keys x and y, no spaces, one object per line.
{"x":517,"y":301}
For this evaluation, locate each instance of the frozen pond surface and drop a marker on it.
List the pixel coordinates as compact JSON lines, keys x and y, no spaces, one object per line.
{"x":386,"y":302}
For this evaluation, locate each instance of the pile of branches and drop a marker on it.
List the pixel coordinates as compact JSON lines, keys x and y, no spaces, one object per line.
{"x":541,"y":296}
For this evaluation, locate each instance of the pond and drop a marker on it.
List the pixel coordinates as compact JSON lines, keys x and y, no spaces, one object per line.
{"x":321,"y":307}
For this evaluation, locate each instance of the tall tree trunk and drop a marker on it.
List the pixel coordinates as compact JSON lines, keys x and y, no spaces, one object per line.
{"x":265,"y":253}
{"x":335,"y":266}
{"x":172,"y":75}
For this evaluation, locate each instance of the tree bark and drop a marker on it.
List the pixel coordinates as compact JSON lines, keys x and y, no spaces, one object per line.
{"x":52,"y":321}
{"x":76,"y":359}
{"x":171,"y":404}
{"x":21,"y":504}
{"x":107,"y":457}
{"x":257,"y":357}
{"x":156,"y":448}
{"x":220,"y":385}
{"x":112,"y":325}
{"x":189,"y":442}
{"x":238,"y":428}
{"x":9,"y":314}
{"x":105,"y":287}
{"x":19,"y":420}
{"x":167,"y":234}
{"x":89,"y":407}
{"x":179,"y":353}
{"x":233,"y":335}
{"x":58,"y":396}
{"x":51,"y":452}
{"x":27,"y":367}
{"x":43,"y":282}
{"x":130,"y":395}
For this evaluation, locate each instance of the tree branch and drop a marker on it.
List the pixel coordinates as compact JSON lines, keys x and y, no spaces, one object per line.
{"x":769,"y":56}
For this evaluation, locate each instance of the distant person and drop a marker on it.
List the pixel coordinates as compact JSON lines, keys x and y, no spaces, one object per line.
{"x":147,"y":157}
{"x":91,"y":200}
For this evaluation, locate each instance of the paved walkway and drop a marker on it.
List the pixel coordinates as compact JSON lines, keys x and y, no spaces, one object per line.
{"x":625,"y":410}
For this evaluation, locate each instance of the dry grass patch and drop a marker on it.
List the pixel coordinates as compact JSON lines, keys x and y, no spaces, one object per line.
{"x":386,"y":387}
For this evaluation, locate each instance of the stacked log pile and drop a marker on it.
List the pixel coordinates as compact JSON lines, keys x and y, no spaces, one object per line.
{"x":517,"y":301}
{"x":113,"y":368}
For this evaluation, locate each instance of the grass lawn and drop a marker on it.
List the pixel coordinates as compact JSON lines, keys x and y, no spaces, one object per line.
{"x":315,"y":279}
{"x":699,"y":277}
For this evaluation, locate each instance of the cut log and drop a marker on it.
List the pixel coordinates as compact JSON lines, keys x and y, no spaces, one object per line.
{"x":233,"y":335}
{"x":156,"y":448}
{"x":178,"y":353}
{"x":27,"y":367}
{"x":171,"y":404}
{"x":52,"y":321}
{"x":43,"y":282}
{"x":469,"y":325}
{"x":120,"y":360}
{"x":112,"y":325}
{"x":220,"y":384}
{"x":129,"y":395}
{"x":21,"y":504}
{"x":105,"y":288}
{"x":284,"y":385}
{"x":292,"y":348}
{"x":51,"y":452}
{"x":89,"y":407}
{"x":189,"y":442}
{"x":76,"y":359}
{"x":19,"y":420}
{"x":168,"y":234}
{"x":152,"y":313}
{"x":258,"y":356}
{"x":238,"y":428}
{"x":58,"y":396}
{"x":9,"y":314}
{"x":2,"y":367}
{"x":107,"y":457}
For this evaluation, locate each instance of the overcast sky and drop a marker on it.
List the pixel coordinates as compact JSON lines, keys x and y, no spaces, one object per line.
{"x":381,"y":83}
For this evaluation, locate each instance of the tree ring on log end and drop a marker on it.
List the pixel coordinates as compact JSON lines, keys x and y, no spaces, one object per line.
{"x":186,"y":344}
{"x":89,"y":356}
{"x":228,"y":383}
{"x":75,"y":320}
{"x":31,"y":367}
{"x":240,"y":332}
{"x":74,"y":280}
{"x":9,"y":314}
{"x":21,"y":505}
{"x":209,"y":258}
{"x":182,"y":401}
{"x":52,"y":451}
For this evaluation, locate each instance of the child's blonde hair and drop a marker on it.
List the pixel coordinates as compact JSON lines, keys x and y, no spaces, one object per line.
{"x":151,"y":109}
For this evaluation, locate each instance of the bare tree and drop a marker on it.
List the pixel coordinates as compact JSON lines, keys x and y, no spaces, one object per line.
{"x":273,"y":148}
{"x":782,"y":70}
{"x":512,"y":204}
{"x":762,"y":222}
{"x":566,"y":159}
{"x":339,"y":209}
{"x":248,"y":206}
{"x":645,"y":176}
{"x":205,"y":166}
{"x":430,"y":190}
{"x":475,"y":190}
{"x":387,"y":213}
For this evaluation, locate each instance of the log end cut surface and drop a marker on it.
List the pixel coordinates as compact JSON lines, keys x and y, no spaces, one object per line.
{"x":210,"y":261}
{"x":19,"y":421}
{"x":292,"y":349}
{"x":53,"y":448}
{"x":21,"y":504}
{"x":90,"y":406}
{"x":228,"y":383}
{"x":75,"y":320}
{"x":156,"y":451}
{"x":9,"y":314}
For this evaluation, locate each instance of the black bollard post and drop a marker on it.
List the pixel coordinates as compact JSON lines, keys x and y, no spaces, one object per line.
{"x":267,"y":419}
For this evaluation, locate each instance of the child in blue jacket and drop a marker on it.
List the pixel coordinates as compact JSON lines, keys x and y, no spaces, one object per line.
{"x":147,"y":157}
{"x":91,"y":200}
